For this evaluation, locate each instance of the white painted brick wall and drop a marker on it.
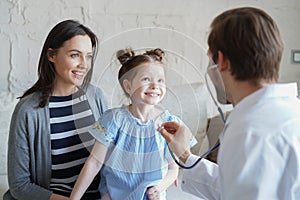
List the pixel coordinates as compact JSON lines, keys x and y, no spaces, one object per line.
{"x":179,"y":27}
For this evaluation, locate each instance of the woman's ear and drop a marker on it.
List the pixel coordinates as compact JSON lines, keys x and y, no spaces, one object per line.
{"x":50,"y":54}
{"x":223,"y":62}
{"x":127,"y":86}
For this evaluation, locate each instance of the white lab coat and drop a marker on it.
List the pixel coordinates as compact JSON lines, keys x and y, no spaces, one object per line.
{"x":259,"y":156}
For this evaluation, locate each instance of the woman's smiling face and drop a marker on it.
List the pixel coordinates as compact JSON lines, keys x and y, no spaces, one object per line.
{"x":72,"y":61}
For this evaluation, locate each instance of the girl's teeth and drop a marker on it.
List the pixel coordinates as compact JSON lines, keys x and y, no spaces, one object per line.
{"x":152,"y":95}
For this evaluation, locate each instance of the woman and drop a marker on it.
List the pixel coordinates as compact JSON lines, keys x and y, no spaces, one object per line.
{"x":48,"y":138}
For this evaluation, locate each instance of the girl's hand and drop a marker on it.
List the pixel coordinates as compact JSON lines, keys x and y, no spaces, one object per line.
{"x":176,"y":182}
{"x":153,"y":193}
{"x":106,"y":197}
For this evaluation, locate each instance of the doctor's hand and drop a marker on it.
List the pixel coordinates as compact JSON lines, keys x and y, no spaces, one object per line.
{"x":178,"y":138}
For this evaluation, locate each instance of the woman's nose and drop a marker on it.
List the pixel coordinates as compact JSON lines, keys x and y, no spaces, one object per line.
{"x":83,"y":66}
{"x":83,"y":63}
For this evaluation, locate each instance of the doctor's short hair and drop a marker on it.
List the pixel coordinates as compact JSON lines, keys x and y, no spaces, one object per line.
{"x":129,"y":61}
{"x":250,"y":39}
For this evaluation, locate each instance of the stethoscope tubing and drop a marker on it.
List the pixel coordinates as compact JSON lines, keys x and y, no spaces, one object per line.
{"x":216,"y":146}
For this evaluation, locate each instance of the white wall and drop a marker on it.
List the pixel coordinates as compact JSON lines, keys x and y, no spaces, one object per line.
{"x":179,"y":27}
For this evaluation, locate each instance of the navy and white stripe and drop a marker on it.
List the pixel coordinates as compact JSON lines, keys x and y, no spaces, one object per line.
{"x":70,"y":118}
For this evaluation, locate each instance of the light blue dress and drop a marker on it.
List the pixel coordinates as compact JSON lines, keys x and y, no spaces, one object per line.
{"x":137,"y":153}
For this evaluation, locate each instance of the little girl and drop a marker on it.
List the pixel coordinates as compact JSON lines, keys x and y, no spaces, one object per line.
{"x":137,"y":162}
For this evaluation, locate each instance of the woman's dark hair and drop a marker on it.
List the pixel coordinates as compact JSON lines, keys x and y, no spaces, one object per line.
{"x":129,"y":61}
{"x":60,"y":33}
{"x":251,"y":41}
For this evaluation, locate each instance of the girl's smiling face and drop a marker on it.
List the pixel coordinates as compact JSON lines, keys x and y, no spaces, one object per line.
{"x":147,"y":85}
{"x":72,"y":62}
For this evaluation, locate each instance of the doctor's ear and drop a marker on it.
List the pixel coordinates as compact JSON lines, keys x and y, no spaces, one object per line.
{"x":223,"y":61}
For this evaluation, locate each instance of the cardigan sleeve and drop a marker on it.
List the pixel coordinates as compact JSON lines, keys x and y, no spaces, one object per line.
{"x":21,"y":179}
{"x":96,"y":100}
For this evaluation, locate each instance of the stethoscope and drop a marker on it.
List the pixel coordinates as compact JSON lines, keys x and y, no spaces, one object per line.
{"x":216,"y":146}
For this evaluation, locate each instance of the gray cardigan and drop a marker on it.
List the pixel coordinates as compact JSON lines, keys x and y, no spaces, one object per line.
{"x":29,"y":150}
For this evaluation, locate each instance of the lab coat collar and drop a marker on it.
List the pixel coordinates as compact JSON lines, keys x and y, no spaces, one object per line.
{"x":272,"y":90}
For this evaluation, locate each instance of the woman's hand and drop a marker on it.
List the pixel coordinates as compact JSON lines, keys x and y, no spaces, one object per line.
{"x":178,"y":138}
{"x":58,"y":197}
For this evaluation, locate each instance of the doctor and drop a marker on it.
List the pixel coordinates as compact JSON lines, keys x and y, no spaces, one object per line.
{"x":259,"y":156}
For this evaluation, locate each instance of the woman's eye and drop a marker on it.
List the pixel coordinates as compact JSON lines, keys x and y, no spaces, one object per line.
{"x":74,"y":55}
{"x":89,"y":57}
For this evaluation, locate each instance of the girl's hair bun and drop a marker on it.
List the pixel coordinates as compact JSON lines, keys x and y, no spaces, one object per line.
{"x":124,"y":55}
{"x":156,"y":54}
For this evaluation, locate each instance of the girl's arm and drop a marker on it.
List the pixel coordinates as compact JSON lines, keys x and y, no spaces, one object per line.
{"x":170,"y":177}
{"x":91,"y":167}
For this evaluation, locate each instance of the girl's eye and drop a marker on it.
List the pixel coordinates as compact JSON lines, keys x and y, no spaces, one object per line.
{"x":161,"y":80}
{"x":146,"y":79}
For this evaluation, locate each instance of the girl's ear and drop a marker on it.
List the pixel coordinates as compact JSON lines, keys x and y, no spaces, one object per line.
{"x":223,"y":62}
{"x":127,"y":86}
{"x":50,"y":54}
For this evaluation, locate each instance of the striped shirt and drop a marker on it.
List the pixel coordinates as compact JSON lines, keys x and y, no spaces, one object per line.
{"x":70,"y":118}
